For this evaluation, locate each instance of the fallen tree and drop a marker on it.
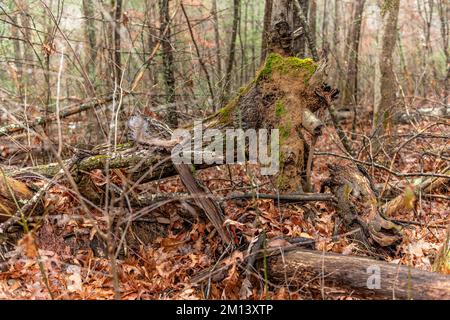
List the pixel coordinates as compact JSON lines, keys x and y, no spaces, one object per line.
{"x":366,"y":277}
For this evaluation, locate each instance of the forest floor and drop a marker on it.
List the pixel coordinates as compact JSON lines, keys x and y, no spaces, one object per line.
{"x":45,"y":266}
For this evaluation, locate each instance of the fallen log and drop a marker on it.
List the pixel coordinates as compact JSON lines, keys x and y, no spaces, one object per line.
{"x":367,"y":278}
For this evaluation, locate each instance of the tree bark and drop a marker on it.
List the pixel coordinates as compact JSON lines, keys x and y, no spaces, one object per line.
{"x":357,"y":206}
{"x":350,"y":92}
{"x":266,"y":29}
{"x":117,"y":14}
{"x":444,"y":13}
{"x":217,"y":39}
{"x":168,"y":62}
{"x":28,"y":52}
{"x":308,"y":34}
{"x":325,"y":42}
{"x":300,"y":41}
{"x":388,"y":84}
{"x":312,"y":17}
{"x":89,"y":31}
{"x":281,"y":28}
{"x":231,"y":53}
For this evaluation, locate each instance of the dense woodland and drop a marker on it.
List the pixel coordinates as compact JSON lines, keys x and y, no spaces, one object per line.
{"x":92,"y":207}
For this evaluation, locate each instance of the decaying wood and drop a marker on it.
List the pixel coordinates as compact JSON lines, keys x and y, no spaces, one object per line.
{"x":311,"y":123}
{"x":209,"y":206}
{"x":302,"y":267}
{"x":143,"y":131}
{"x":358,"y":207}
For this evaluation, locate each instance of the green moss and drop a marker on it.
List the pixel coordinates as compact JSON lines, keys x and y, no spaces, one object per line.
{"x":286,"y":65}
{"x":285,"y":131}
{"x":227,"y":111}
{"x":243,"y":90}
{"x":280,"y":109}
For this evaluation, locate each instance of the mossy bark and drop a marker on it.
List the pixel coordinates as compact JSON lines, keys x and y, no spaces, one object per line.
{"x":277,"y":99}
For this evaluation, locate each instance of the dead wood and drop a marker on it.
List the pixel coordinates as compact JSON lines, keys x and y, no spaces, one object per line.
{"x":301,"y":267}
{"x":357,"y":206}
{"x":209,"y":206}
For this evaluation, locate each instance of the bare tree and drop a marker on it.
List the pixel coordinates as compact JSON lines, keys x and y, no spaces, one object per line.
{"x":350,"y":90}
{"x":168,"y":62}
{"x":117,"y":14}
{"x":217,"y":39}
{"x":200,"y":59}
{"x":444,"y":13}
{"x":266,"y":28}
{"x":231,"y":52}
{"x":312,"y":17}
{"x":89,"y":31}
{"x":388,"y":100}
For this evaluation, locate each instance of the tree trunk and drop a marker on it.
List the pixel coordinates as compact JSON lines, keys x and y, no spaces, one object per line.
{"x":313,"y":20}
{"x":217,"y":39}
{"x":307,"y":32}
{"x":325,"y":43}
{"x":266,"y":30}
{"x":231,"y":53}
{"x":300,"y":41}
{"x":17,"y":75}
{"x":350,"y":92}
{"x":168,"y":62}
{"x":89,"y":32}
{"x":388,"y":84}
{"x":27,"y":52}
{"x":358,"y":207}
{"x":281,"y":27}
{"x":117,"y":14}
{"x":91,"y":55}
{"x":444,"y":13}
